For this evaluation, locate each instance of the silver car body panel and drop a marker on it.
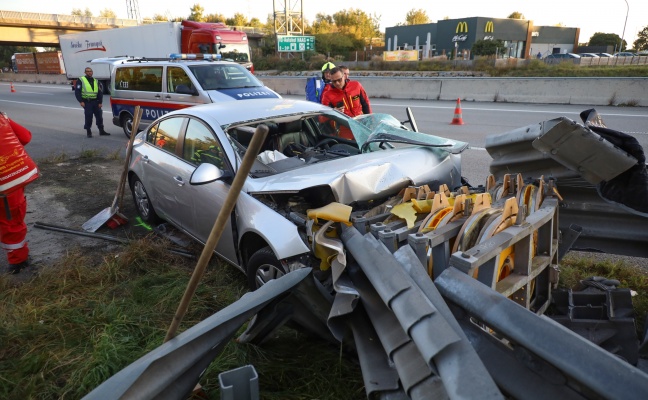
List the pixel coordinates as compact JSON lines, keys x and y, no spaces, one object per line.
{"x":367,"y":176}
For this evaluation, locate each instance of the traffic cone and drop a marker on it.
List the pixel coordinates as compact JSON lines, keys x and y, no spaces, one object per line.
{"x":457,"y":120}
{"x":13,"y":90}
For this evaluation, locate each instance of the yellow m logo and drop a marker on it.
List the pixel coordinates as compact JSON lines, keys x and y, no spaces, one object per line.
{"x":462,"y":27}
{"x":489,"y":27}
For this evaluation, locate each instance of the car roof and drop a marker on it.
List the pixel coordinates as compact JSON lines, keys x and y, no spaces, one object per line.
{"x":232,"y":112}
{"x":143,"y":61}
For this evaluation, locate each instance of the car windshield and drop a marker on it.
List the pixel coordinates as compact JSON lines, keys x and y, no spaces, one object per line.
{"x":298,"y":140}
{"x":216,"y":76}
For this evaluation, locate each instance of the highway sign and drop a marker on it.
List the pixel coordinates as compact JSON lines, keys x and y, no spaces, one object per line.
{"x":295,"y":43}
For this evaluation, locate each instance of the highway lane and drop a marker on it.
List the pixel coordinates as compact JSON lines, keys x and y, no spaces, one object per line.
{"x":56,"y":121}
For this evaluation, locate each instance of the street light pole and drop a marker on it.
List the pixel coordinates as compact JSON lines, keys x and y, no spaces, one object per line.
{"x":624,"y":26}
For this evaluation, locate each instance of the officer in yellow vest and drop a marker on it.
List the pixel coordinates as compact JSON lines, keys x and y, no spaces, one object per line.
{"x":89,"y":93}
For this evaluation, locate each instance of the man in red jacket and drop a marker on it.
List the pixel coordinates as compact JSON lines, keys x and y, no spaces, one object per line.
{"x":345,"y":96}
{"x":17,"y":170}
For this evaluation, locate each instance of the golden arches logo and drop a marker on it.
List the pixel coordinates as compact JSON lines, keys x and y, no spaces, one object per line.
{"x":489,"y":27}
{"x":462,"y":27}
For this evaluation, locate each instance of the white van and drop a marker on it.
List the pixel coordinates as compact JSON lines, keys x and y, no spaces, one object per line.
{"x":159,"y":87}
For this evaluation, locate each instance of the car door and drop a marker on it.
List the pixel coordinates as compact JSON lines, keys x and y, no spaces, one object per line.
{"x":177,"y":78}
{"x":200,"y":204}
{"x":161,"y":166}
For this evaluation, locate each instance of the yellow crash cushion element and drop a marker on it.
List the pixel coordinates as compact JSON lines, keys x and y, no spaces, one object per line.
{"x":326,"y":255}
{"x":405,"y":211}
{"x":422,"y":206}
{"x":335,"y":212}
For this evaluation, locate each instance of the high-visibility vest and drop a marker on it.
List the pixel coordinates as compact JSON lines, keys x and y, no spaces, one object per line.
{"x":88,"y":92}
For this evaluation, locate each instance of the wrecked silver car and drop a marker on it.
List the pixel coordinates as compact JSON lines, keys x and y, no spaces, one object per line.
{"x":313,"y":156}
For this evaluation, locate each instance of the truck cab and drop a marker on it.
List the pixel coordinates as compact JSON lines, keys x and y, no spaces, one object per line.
{"x":216,"y":38}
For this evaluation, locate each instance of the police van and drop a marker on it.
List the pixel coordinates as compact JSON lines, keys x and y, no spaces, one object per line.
{"x":162,"y":86}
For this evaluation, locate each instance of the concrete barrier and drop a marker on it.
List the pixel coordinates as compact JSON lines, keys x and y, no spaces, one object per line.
{"x":583,"y":91}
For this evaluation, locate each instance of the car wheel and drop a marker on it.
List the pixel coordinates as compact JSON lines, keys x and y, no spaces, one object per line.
{"x":263,"y":267}
{"x":126,"y":121}
{"x":143,"y":202}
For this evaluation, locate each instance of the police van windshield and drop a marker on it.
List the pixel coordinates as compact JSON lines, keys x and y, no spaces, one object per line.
{"x":214,"y":76}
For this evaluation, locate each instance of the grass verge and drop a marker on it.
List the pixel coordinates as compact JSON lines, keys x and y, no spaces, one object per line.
{"x":80,"y":321}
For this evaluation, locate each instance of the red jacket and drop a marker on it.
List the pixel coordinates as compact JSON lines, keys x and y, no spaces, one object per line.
{"x":353,"y":97}
{"x":17,"y":168}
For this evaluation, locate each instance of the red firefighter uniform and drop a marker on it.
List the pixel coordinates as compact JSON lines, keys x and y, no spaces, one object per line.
{"x":16,"y":170}
{"x":352,"y":97}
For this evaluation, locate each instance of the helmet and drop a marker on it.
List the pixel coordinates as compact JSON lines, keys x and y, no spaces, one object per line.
{"x":327,"y":65}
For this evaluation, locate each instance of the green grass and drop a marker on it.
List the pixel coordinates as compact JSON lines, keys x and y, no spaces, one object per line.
{"x":635,"y":277}
{"x":81,"y":321}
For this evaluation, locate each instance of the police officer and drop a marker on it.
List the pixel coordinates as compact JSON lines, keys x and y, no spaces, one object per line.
{"x":89,"y":93}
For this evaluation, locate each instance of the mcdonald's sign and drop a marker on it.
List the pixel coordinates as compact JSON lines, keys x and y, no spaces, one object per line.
{"x":489,"y":27}
{"x":462,"y":27}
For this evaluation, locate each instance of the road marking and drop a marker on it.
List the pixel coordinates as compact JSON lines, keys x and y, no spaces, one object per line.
{"x":65,"y":87}
{"x":48,"y":105}
{"x":561,"y":112}
{"x":49,"y":94}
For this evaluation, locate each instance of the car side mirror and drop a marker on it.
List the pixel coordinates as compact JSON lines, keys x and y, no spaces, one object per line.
{"x":208,"y":173}
{"x":185,"y":89}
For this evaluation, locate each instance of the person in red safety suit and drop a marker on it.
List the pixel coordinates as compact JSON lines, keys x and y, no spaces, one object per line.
{"x":346,"y":96}
{"x":13,"y":205}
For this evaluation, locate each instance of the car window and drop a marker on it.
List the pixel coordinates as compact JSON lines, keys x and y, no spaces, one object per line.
{"x":177,"y":76}
{"x":201,"y":146}
{"x":144,"y":79}
{"x":165,"y":133}
{"x":215,"y":76}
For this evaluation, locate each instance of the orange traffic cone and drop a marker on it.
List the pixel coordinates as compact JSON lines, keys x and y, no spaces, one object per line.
{"x":457,"y":120}
{"x":13,"y":90}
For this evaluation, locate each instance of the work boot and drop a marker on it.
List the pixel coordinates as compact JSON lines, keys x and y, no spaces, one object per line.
{"x":89,"y":132}
{"x":103,"y":133}
{"x":15,"y":268}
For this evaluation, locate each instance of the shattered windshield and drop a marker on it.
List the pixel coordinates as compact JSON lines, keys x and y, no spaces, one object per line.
{"x":302,"y":139}
{"x":387,"y":130}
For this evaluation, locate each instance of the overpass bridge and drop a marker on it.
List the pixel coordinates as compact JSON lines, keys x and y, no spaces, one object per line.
{"x":42,"y":30}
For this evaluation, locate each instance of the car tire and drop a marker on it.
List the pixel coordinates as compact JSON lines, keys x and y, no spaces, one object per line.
{"x":143,"y":202}
{"x":126,"y":121}
{"x":262,"y":267}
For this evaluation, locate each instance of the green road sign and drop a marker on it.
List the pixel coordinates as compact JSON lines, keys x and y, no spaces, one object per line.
{"x":295,"y":43}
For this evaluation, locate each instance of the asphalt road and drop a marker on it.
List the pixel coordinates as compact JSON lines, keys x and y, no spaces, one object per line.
{"x":56,"y":122}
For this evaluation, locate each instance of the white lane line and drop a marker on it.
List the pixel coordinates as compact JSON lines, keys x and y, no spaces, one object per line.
{"x":48,"y":94}
{"x":506,"y":110}
{"x":54,"y":87}
{"x":48,"y":105}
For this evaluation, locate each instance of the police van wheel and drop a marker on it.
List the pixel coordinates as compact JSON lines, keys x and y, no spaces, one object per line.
{"x":126,"y":122}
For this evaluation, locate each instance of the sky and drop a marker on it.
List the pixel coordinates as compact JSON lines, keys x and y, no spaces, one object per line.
{"x":607,"y":16}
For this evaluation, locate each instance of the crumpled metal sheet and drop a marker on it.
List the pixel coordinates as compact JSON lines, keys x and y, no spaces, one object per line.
{"x":549,"y":348}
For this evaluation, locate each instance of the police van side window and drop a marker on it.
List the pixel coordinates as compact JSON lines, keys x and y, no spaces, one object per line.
{"x":177,"y":80}
{"x":201,"y":146}
{"x":165,"y":133}
{"x":142,"y":79}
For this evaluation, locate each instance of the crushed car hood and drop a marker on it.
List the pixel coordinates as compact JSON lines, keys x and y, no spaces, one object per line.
{"x":367,"y":176}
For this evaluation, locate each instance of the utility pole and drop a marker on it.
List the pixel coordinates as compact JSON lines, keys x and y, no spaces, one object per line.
{"x":132,"y":10}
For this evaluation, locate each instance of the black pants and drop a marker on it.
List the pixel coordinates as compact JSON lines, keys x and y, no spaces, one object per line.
{"x":92,"y":108}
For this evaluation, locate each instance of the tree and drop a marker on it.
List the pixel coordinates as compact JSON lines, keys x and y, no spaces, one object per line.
{"x":488,"y":47}
{"x":255,"y":23}
{"x":416,"y":17}
{"x":606,"y":39}
{"x":159,"y":17}
{"x":86,"y":13}
{"x":196,"y":13}
{"x":642,"y":40}
{"x":214,"y":18}
{"x":107,"y":13}
{"x":516,"y":15}
{"x":357,"y":23}
{"x":238,"y":20}
{"x":323,"y":24}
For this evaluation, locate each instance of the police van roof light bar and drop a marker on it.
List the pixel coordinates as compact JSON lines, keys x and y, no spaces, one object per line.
{"x":184,"y":56}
